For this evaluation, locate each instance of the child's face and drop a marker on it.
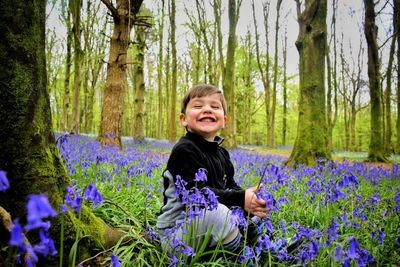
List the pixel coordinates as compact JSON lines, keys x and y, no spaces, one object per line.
{"x":204,"y":116}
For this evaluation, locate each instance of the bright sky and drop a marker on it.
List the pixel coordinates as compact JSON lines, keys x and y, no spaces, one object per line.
{"x":349,"y":21}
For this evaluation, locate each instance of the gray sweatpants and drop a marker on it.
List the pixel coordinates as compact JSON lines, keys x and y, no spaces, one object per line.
{"x":216,"y":222}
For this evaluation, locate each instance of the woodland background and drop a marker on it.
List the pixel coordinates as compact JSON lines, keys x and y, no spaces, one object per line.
{"x":175,"y":44}
{"x":119,"y":71}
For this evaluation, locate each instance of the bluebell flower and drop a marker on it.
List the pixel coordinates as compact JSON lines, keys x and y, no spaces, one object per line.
{"x":353,"y":248}
{"x":264,"y":244}
{"x":175,"y":262}
{"x":73,"y":200}
{"x":4,"y":184}
{"x":17,"y":236}
{"x":38,"y":208}
{"x":201,"y":175}
{"x":93,"y":195}
{"x":398,"y":240}
{"x":247,"y":254}
{"x":115,"y":261}
{"x":46,"y":245}
{"x":64,"y":208}
{"x":212,"y":199}
{"x":151,"y":234}
{"x":238,"y":218}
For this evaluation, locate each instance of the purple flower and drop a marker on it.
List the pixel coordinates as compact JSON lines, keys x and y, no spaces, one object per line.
{"x":93,"y":195}
{"x":200,"y":175}
{"x":46,"y":245}
{"x":115,"y":261}
{"x":247,"y":254}
{"x":64,"y":208}
{"x":38,"y":208}
{"x":4,"y":184}
{"x":264,"y":244}
{"x":17,"y":237}
{"x":175,"y":262}
{"x":398,"y":240}
{"x":353,"y":249}
{"x":238,"y":218}
{"x":73,"y":200}
{"x":151,"y":234}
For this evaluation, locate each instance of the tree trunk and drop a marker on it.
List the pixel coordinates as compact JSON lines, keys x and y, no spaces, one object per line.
{"x":159,"y":71}
{"x":95,"y":46}
{"x":389,"y":149}
{"x":217,"y":17}
{"x":396,"y":11}
{"x":173,"y":118}
{"x":376,"y":148}
{"x":285,"y":95}
{"x":311,"y":141}
{"x":112,"y":107}
{"x":332,"y":80}
{"x":75,"y":6}
{"x":275,"y":78}
{"x":228,"y":83}
{"x":203,"y":26}
{"x":66,"y":97}
{"x":32,"y":161}
{"x":138,"y":128}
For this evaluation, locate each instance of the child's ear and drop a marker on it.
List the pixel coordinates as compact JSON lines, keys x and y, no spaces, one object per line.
{"x":225,"y":121}
{"x":182,"y":118}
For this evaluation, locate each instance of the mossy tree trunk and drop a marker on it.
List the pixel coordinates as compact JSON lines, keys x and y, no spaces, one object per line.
{"x":29,"y":154}
{"x":312,"y":140}
{"x":376,"y":146}
{"x":389,"y":146}
{"x":124,"y":16}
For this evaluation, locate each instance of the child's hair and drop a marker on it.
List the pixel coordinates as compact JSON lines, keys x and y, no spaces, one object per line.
{"x":201,"y":90}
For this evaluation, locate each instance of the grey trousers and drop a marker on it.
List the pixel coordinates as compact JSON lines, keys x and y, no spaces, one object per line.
{"x":217,"y":223}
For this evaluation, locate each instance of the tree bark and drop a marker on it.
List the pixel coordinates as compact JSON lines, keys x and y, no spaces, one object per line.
{"x":75,"y":6}
{"x":124,"y":15}
{"x":271,"y":136}
{"x":173,"y":117}
{"x":140,"y":43}
{"x":285,"y":95}
{"x":376,"y":147}
{"x":389,"y":148}
{"x":396,"y":11}
{"x":159,"y":71}
{"x":228,"y":83}
{"x":32,"y":161}
{"x":66,"y":97}
{"x":312,"y":140}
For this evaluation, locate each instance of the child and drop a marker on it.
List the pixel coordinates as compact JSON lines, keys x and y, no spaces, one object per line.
{"x":203,"y":115}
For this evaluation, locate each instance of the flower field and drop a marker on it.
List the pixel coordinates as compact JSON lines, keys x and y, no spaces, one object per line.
{"x":347,"y":214}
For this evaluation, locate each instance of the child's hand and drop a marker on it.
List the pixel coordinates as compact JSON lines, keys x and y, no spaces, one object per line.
{"x":254,"y":205}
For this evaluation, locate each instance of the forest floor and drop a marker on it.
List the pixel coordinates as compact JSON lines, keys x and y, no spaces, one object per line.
{"x":338,"y":157}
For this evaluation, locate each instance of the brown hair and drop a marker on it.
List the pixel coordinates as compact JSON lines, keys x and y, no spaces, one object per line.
{"x":201,"y":90}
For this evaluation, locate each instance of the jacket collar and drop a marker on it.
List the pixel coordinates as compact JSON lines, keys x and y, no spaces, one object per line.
{"x":203,"y":142}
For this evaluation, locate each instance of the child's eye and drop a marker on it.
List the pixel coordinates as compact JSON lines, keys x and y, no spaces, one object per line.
{"x":215,"y":107}
{"x":197,"y":106}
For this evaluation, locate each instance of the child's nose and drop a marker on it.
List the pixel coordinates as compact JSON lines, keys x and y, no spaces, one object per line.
{"x":207,"y":108}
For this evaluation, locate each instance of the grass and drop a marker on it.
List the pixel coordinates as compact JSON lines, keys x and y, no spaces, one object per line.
{"x":349,"y":214}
